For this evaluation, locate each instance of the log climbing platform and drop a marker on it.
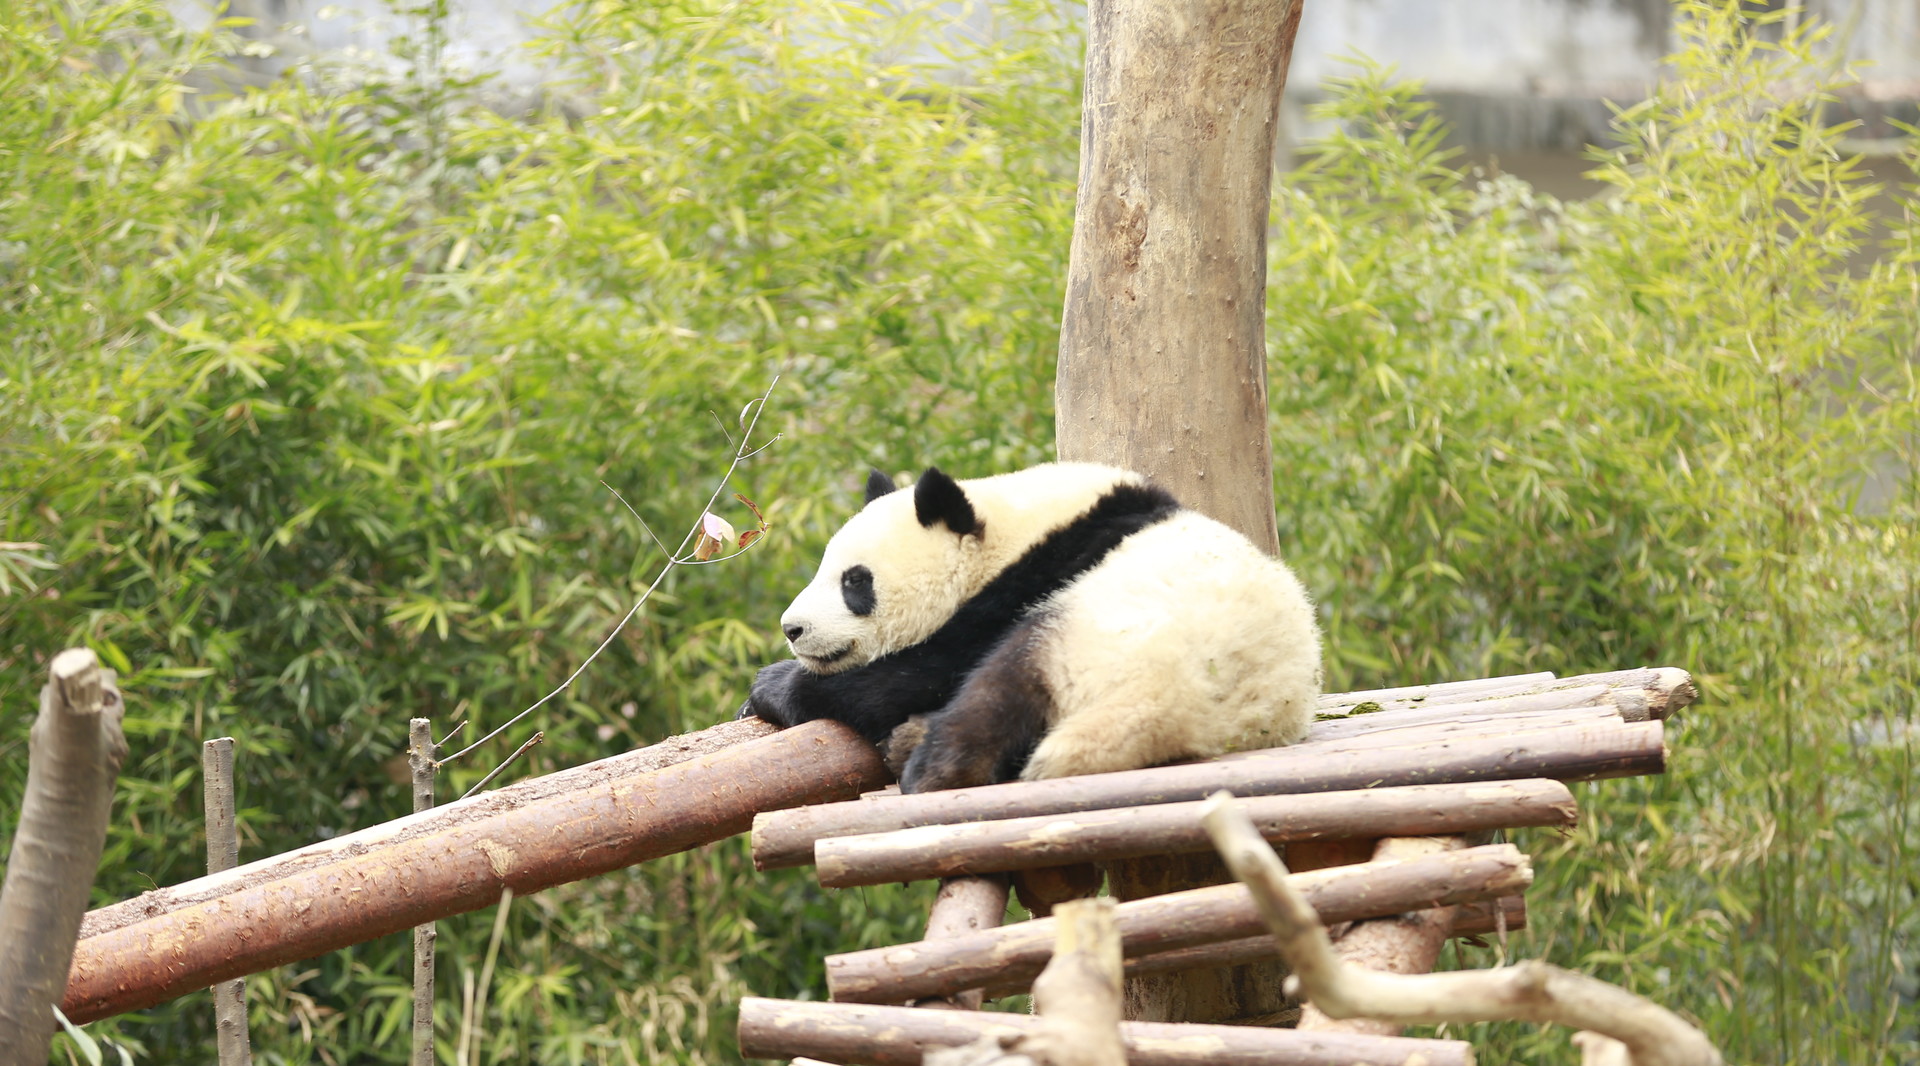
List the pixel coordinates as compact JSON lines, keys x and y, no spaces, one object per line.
{"x":1393,"y":795}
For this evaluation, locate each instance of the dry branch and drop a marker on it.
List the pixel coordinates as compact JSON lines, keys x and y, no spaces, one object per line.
{"x":1015,"y":953}
{"x":1481,"y":918}
{"x":1472,"y":688}
{"x":1401,"y":943}
{"x":866,"y":1035}
{"x":1169,"y":828}
{"x":1531,"y":991}
{"x":1078,"y":993}
{"x":1574,"y":753}
{"x":223,"y":853}
{"x":74,"y":752}
{"x":463,"y":864}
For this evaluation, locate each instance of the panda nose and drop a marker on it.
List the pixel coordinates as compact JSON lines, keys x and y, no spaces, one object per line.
{"x":794,"y":632}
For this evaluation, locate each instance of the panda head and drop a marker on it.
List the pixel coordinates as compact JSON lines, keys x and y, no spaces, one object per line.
{"x":891,"y":576}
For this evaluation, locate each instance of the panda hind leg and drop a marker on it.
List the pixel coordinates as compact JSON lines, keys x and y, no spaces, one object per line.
{"x":986,"y":733}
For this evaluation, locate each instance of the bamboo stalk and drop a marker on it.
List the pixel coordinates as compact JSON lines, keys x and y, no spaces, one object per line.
{"x":1015,"y":953}
{"x":420,"y":759}
{"x":1575,"y":753}
{"x":866,"y":1035}
{"x":1174,"y":828}
{"x":223,"y":853}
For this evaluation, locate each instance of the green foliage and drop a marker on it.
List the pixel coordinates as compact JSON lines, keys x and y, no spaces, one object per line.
{"x":308,"y":391}
{"x":1677,"y":423}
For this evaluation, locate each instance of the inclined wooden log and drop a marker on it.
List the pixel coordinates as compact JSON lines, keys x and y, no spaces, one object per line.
{"x":628,"y":766}
{"x":1641,"y":694}
{"x":1015,"y":953}
{"x":964,"y":905}
{"x":1575,"y":753}
{"x":868,"y":1035}
{"x":463,"y":867}
{"x":1171,"y":828}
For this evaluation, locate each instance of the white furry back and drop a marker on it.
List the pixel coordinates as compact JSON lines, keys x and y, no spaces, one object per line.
{"x":1185,"y":642}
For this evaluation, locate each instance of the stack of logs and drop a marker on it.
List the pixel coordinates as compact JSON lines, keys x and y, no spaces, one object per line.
{"x":1457,"y":760}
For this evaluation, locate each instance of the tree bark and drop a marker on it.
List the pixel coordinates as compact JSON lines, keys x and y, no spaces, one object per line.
{"x":1078,"y":993}
{"x":463,"y":864}
{"x":1577,"y":753}
{"x":74,"y":753}
{"x":223,"y":853}
{"x":866,"y":1035}
{"x":1174,"y":828}
{"x":1166,"y":281}
{"x":1015,"y":953}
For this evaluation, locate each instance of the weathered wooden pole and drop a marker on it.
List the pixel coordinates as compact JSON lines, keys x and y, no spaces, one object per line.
{"x":74,"y":754}
{"x":1163,"y":357}
{"x":420,"y":760}
{"x":223,"y":854}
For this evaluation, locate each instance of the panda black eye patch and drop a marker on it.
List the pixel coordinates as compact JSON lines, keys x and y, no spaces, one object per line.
{"x":856,"y":588}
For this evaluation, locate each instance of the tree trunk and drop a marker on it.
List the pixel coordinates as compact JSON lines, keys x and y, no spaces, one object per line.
{"x":73,"y":755}
{"x":1163,"y":357}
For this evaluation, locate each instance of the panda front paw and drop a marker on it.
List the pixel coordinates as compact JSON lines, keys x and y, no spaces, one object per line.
{"x":773,"y":697}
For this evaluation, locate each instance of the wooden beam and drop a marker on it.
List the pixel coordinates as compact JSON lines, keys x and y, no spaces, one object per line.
{"x":1174,"y":828}
{"x":459,"y":864}
{"x":1576,"y":753}
{"x":867,"y":1035}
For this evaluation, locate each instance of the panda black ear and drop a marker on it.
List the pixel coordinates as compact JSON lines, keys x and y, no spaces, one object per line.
{"x":878,"y":485}
{"x":939,"y":498}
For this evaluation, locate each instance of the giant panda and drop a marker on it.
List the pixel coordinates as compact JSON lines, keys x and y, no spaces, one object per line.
{"x":1065,"y":619}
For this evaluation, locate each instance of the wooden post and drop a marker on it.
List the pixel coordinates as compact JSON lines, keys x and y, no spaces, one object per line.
{"x":964,"y":905}
{"x":73,"y":755}
{"x":420,"y":753}
{"x":223,"y":853}
{"x":1163,"y":359}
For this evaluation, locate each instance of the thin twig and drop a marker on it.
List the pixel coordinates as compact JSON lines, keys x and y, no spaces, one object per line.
{"x":740,"y":455}
{"x":536,"y":738}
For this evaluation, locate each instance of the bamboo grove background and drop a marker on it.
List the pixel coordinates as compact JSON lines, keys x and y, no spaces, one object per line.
{"x":307,"y":392}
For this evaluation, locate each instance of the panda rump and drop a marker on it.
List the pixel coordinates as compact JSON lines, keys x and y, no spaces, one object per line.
{"x":1065,"y":619}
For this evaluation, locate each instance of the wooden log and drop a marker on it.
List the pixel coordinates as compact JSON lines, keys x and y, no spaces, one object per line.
{"x":1668,"y":688}
{"x":1475,"y":919}
{"x":1452,"y":691}
{"x":1579,"y":753}
{"x":1017,"y":952}
{"x":1394,"y":732}
{"x":1401,"y":943}
{"x":1077,"y":995}
{"x":868,"y":1035}
{"x":464,"y":867}
{"x":1169,"y":828}
{"x":1596,"y":696}
{"x":74,"y":753}
{"x":613,"y":771}
{"x":964,"y":905}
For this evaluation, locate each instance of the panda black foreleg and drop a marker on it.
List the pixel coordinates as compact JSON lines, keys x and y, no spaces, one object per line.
{"x":873,"y":699}
{"x":989,"y":730}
